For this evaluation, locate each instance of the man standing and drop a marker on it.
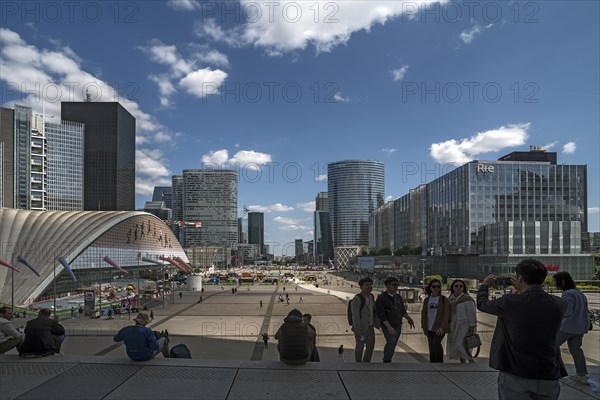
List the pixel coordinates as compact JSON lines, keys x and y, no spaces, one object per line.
{"x":141,"y":343}
{"x":9,"y":336}
{"x":524,"y":343}
{"x":364,"y":321}
{"x":390,"y":310}
{"x":43,"y":335}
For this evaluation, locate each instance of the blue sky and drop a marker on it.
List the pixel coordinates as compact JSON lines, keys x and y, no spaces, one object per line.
{"x":279,"y":89}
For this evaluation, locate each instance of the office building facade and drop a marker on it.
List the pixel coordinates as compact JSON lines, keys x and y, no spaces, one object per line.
{"x":490,"y":207}
{"x":163,"y":193}
{"x":7,"y":159}
{"x":210,"y":197}
{"x":109,"y":154}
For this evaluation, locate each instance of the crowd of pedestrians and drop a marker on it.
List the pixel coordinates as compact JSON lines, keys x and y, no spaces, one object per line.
{"x":532,"y":325}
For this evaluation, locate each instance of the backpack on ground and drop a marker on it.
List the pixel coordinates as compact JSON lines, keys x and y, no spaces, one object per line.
{"x":180,"y":351}
{"x":362,"y":304}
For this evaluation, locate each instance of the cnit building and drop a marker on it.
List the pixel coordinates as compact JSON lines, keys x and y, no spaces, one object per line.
{"x":486,"y":216}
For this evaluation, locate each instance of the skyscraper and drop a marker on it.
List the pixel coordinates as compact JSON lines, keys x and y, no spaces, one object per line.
{"x":163,"y":193}
{"x":256,"y":229}
{"x":42,"y":162}
{"x":355,"y":188}
{"x":7,"y":161}
{"x":322,"y":241}
{"x":109,"y":155}
{"x":210,"y":197}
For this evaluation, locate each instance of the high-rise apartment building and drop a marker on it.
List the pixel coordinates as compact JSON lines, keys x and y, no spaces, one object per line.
{"x":355,"y":188}
{"x":109,"y":154}
{"x":208,"y":196}
{"x":256,"y":230}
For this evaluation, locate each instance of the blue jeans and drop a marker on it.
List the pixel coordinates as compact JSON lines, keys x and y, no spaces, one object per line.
{"x":390,"y":343}
{"x":574,"y":342}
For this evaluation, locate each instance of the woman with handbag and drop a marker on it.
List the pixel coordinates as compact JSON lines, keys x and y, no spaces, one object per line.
{"x":435,"y":316}
{"x":575,"y":323}
{"x":463,"y":321}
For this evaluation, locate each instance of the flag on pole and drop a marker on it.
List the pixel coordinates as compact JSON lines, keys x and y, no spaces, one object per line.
{"x":24,"y":262}
{"x":173,"y":262}
{"x":67,"y":267}
{"x":108,"y":260}
{"x":8,"y":265}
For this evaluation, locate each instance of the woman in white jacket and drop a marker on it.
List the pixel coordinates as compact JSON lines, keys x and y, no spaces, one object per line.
{"x":463,"y":321}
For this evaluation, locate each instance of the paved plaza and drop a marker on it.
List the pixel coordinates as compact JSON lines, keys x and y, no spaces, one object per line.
{"x":230,"y":361}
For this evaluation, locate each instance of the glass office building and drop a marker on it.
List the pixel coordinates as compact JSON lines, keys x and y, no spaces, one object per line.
{"x":65,"y":165}
{"x":208,"y":196}
{"x":492,"y":207}
{"x":355,"y":188}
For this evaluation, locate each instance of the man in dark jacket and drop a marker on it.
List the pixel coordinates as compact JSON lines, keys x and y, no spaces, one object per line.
{"x":43,"y":335}
{"x":390,"y":310}
{"x":524,"y":343}
{"x":294,"y":339}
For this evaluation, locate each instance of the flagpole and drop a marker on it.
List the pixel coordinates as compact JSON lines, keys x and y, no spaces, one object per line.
{"x":54,"y":278}
{"x":12,"y":288}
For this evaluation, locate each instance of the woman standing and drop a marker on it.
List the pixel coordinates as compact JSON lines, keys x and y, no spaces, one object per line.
{"x":435,"y":316}
{"x":575,"y":323}
{"x":463,"y":321}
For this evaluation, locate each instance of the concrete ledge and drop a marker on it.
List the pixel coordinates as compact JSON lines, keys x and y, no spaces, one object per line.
{"x":96,"y":377}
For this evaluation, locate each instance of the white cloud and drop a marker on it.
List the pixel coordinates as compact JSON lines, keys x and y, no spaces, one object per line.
{"x":309,"y":206}
{"x":321,"y":178}
{"x":468,"y":35}
{"x":287,"y":26}
{"x":59,"y":72}
{"x":184,"y":5}
{"x":389,"y":198}
{"x":593,"y":210}
{"x":250,"y":159}
{"x":340,"y":99}
{"x":203,"y":82}
{"x":214,"y":57}
{"x":389,"y":150}
{"x":270,"y":208}
{"x":295,"y":228}
{"x":218,"y":158}
{"x":549,"y":145}
{"x":569,"y":148}
{"x":285,"y":221}
{"x":399,"y":73}
{"x":200,"y":82}
{"x":465,"y":150}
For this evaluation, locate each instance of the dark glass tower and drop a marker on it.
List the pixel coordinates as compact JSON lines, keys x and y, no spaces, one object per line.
{"x":109,"y":155}
{"x":256,"y":229}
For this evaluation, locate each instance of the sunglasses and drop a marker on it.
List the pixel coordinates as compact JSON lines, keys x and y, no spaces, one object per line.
{"x":435,"y":286}
{"x":458,"y":285}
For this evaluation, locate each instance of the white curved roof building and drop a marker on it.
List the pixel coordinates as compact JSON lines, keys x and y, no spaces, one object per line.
{"x":83,"y":238}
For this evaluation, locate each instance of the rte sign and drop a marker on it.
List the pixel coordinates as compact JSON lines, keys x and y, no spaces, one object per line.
{"x":485,"y":168}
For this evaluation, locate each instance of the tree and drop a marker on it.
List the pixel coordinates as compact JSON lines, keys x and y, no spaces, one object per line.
{"x":385,"y":252}
{"x":429,"y":278}
{"x":372,"y":253}
{"x":549,"y":281}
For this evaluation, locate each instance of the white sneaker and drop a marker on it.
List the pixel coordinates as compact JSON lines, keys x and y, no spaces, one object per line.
{"x":580,"y":378}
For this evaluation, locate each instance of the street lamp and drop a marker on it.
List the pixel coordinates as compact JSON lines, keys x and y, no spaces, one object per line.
{"x":423,"y":271}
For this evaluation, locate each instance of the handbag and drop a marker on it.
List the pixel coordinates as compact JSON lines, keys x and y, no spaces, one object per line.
{"x":472,"y":341}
